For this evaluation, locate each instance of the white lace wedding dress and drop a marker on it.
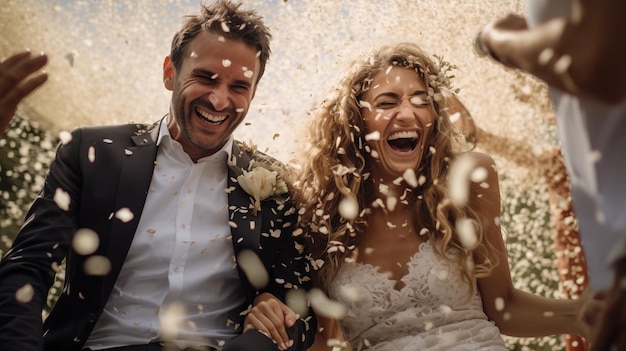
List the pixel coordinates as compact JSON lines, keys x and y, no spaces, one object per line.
{"x":433,"y":310}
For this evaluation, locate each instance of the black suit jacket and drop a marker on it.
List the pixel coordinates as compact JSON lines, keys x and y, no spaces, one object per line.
{"x":103,"y":170}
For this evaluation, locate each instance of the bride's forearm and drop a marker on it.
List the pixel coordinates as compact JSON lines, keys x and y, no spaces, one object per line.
{"x":526,"y":315}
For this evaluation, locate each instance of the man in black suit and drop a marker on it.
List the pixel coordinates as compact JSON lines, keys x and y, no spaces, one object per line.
{"x":174,"y":235}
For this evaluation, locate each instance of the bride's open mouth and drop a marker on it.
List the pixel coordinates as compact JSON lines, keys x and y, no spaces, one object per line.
{"x":405,"y":141}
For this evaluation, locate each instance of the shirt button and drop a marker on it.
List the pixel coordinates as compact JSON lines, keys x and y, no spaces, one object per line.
{"x":92,"y":317}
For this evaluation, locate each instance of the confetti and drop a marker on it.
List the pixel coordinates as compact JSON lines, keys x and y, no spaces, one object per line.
{"x":349,"y":207}
{"x":225,"y":27}
{"x":595,"y":156}
{"x":85,"y":241}
{"x":324,"y":306}
{"x":545,"y":56}
{"x":25,"y":294}
{"x":254,"y":269}
{"x":418,"y":101}
{"x":458,"y":182}
{"x":373,"y":136}
{"x":478,"y":175}
{"x":499,"y":304}
{"x":62,"y":199}
{"x":562,"y":64}
{"x":91,"y":154}
{"x":410,"y":177}
{"x":366,"y":105}
{"x":124,"y":215}
{"x":97,"y":265}
{"x":297,"y":301}
{"x":65,"y":137}
{"x":171,"y":318}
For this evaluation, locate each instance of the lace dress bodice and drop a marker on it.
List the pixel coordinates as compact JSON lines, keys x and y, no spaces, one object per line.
{"x":432,"y":311}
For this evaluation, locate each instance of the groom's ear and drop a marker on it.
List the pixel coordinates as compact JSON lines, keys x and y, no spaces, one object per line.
{"x":168,"y":73}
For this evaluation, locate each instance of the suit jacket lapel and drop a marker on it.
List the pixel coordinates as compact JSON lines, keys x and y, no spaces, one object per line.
{"x":134,"y":182}
{"x":245,"y":227}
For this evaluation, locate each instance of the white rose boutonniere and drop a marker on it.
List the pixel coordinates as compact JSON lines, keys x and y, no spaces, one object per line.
{"x":261,"y":183}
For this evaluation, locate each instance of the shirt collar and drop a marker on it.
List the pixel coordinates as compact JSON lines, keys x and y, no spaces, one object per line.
{"x":164,"y":135}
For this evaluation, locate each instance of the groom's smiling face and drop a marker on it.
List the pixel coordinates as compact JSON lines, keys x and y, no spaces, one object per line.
{"x":211,"y":92}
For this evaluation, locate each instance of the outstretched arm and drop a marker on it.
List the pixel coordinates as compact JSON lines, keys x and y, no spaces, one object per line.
{"x":583,"y":54}
{"x":16,"y":82}
{"x":516,"y":312}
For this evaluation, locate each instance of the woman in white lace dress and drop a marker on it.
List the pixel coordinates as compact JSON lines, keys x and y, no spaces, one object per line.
{"x":404,"y":224}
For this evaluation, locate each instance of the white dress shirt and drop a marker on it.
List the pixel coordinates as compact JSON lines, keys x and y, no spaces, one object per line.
{"x":179,"y":280}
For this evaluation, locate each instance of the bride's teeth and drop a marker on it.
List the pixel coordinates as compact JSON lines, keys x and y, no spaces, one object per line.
{"x":403,"y":135}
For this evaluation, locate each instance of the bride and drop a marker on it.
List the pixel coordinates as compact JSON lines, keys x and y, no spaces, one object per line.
{"x":403,"y":224}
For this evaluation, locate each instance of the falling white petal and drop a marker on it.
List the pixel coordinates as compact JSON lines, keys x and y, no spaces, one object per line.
{"x":349,"y":207}
{"x":391,"y":202}
{"x":373,"y":136}
{"x":595,"y":156}
{"x":467,"y":233}
{"x":416,"y":100}
{"x":455,"y":117}
{"x":478,"y":175}
{"x":62,"y":199}
{"x":25,"y":294}
{"x":171,"y":319}
{"x":297,"y":300}
{"x":124,"y":215}
{"x":85,"y":241}
{"x":91,"y":154}
{"x":365,"y":104}
{"x":410,"y":177}
{"x":254,"y":269}
{"x":65,"y":137}
{"x":225,"y":27}
{"x":499,"y":304}
{"x":324,"y":306}
{"x":458,"y":181}
{"x":562,"y":64}
{"x":97,"y":265}
{"x":545,"y":56}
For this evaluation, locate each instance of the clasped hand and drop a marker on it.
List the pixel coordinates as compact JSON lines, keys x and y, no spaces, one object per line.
{"x":271,"y":317}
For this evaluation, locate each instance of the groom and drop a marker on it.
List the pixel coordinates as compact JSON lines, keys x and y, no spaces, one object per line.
{"x":164,"y":249}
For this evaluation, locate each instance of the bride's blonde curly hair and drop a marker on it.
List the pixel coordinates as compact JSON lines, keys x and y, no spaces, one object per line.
{"x":334,"y":167}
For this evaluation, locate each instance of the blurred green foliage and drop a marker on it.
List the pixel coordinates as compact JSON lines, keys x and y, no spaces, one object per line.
{"x":26,"y":150}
